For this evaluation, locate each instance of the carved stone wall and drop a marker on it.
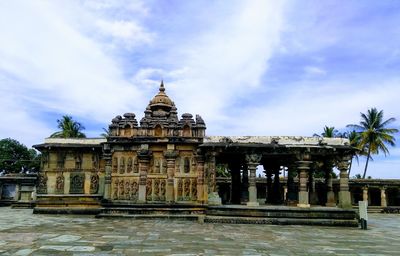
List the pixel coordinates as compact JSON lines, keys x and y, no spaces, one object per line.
{"x":77,"y":183}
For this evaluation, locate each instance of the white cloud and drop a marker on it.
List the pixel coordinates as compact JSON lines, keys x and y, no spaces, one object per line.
{"x":228,"y":59}
{"x":313,"y":70}
{"x":57,"y":68}
{"x":127,"y":33}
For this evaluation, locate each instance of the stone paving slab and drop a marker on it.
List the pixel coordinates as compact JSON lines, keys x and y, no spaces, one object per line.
{"x":22,"y":233}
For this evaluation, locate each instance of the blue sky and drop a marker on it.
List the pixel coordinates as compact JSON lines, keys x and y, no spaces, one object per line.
{"x":248,"y":67}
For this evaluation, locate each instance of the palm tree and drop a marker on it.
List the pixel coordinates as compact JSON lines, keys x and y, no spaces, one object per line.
{"x":374,"y":134}
{"x":106,"y":133}
{"x":329,"y":132}
{"x":354,"y":138}
{"x":69,"y":128}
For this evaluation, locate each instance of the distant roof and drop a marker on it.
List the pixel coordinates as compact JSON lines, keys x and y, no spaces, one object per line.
{"x":71,"y":142}
{"x":287,"y":141}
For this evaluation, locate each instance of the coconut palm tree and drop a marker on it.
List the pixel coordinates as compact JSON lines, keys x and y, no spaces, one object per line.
{"x":374,"y":134}
{"x":329,"y":132}
{"x":106,"y":133}
{"x":354,"y":138}
{"x":69,"y":128}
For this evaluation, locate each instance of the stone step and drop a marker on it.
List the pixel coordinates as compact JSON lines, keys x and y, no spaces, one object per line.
{"x":192,"y":217}
{"x":152,"y":210}
{"x":283,"y":212}
{"x":281,"y":221}
{"x":66,"y":210}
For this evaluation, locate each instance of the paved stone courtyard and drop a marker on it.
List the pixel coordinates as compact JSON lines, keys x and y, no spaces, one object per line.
{"x":22,"y":233}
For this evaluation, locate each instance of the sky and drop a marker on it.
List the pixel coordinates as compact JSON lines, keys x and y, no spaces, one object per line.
{"x":247,"y":67}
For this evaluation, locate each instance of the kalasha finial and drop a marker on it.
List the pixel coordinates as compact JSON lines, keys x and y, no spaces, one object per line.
{"x":162,"y":88}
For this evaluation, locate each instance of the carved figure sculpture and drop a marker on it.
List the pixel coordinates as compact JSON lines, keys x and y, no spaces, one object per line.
{"x":187,"y":189}
{"x":121,"y":191}
{"x":77,"y":182}
{"x":94,"y":183}
{"x":194,"y":189}
{"x":122,"y":165}
{"x":162,"y":190}
{"x":134,"y":190}
{"x":115,"y":191}
{"x":42,"y":183}
{"x":129,"y":165}
{"x":127,"y":190}
{"x":135,"y":166}
{"x":149,"y":191}
{"x":60,"y":183}
{"x":180,"y":189}
{"x":115,"y":165}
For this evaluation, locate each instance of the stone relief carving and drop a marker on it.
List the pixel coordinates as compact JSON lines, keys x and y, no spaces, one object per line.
{"x":42,"y":183}
{"x":186,"y":165}
{"x":121,"y":192}
{"x":156,"y":165}
{"x":186,"y":189}
{"x":156,"y":196}
{"x":115,"y":191}
{"x":122,"y":165}
{"x":164,"y":167}
{"x":78,"y":161}
{"x":162,"y":190}
{"x":60,"y":183}
{"x":127,"y":190}
{"x":129,"y":165}
{"x":115,"y":165}
{"x":77,"y":182}
{"x":135,"y":165}
{"x":194,"y":189}
{"x":149,"y":189}
{"x":134,"y":190}
{"x":180,"y":189}
{"x":94,"y":183}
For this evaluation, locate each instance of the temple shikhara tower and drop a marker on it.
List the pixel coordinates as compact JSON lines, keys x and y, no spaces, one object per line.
{"x":167,"y":163}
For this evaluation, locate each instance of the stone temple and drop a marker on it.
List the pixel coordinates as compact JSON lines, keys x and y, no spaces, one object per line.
{"x":164,"y":165}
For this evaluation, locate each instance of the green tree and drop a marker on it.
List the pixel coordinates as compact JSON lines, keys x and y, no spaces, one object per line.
{"x":69,"y":128}
{"x":329,"y":132}
{"x":374,"y":134}
{"x":14,"y":156}
{"x":354,"y":138}
{"x":106,"y":133}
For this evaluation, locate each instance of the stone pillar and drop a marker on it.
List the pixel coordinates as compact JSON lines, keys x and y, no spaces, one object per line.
{"x":330,"y":195}
{"x":235,"y":182}
{"x":383,"y":197}
{"x":144,"y":156}
{"x":311,"y":188}
{"x":277,"y":197}
{"x":245,"y":184}
{"x":201,"y":195}
{"x":303,"y":168}
{"x":344,"y":193}
{"x":213,"y":196}
{"x":291,"y":196}
{"x":170,"y":156}
{"x":285,"y":191}
{"x":365,"y":193}
{"x":269,"y":193}
{"x":107,"y":156}
{"x":253,"y":161}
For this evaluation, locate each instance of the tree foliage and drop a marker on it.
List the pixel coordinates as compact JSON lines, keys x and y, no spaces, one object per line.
{"x":374,"y":134}
{"x":69,"y":128}
{"x":15,"y":156}
{"x":330,"y":132}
